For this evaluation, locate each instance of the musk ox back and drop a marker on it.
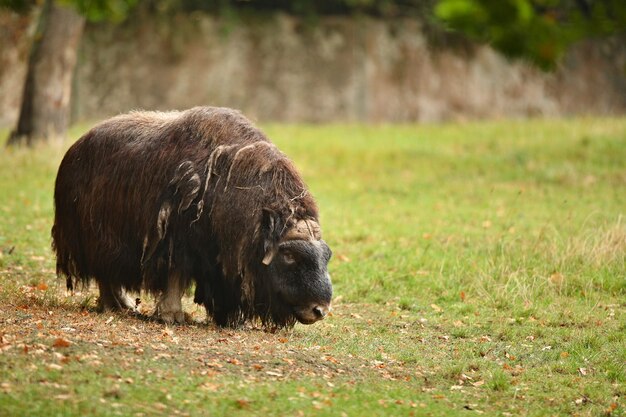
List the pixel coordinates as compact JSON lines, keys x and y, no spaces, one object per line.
{"x":159,"y":201}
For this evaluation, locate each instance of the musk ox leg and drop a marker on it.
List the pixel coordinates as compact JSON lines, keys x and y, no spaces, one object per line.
{"x":113,"y":298}
{"x":169,"y":307}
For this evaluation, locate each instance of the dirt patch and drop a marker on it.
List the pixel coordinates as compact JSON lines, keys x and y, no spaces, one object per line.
{"x":57,"y":329}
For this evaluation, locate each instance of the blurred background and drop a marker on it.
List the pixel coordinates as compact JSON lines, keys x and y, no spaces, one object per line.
{"x":310,"y":61}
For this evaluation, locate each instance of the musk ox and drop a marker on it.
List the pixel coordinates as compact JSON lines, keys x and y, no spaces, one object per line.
{"x":160,"y":201}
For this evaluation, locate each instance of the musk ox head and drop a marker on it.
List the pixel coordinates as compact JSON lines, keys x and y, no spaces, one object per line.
{"x":297,"y":269}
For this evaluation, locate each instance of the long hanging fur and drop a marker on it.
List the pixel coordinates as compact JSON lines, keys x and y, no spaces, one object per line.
{"x":145,"y":193}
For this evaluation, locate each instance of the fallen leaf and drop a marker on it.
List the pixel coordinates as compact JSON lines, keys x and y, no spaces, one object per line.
{"x":557,"y":278}
{"x":330,"y":359}
{"x":582,"y":400}
{"x":42,"y":286}
{"x":243,"y":403}
{"x":583,"y":371}
{"x":478,"y":383}
{"x":210,"y":386}
{"x":436,"y":308}
{"x":343,"y":258}
{"x":61,"y":343}
{"x":564,"y":355}
{"x":159,"y":406}
{"x":462,"y":295}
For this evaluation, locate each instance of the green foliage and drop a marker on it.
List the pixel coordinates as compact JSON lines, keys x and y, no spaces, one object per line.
{"x":539,"y":30}
{"x":97,"y":10}
{"x":383,"y":8}
{"x":94,"y":10}
{"x":20,"y":6}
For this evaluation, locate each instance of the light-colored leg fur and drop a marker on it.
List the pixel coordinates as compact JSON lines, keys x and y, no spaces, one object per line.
{"x":113,"y":298}
{"x":169,"y":307}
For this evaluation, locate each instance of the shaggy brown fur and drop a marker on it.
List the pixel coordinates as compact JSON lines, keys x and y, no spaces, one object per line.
{"x":200,"y":192}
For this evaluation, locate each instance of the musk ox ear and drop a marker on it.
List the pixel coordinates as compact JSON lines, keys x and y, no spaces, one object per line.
{"x":186,"y":183}
{"x":271,"y":227}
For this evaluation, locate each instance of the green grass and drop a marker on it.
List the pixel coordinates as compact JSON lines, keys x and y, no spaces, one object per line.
{"x":479,"y":269}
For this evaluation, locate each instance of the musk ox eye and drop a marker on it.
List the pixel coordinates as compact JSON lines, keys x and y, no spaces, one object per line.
{"x":288,"y":258}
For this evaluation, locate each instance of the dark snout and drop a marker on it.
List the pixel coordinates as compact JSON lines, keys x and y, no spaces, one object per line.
{"x":322,"y":291}
{"x":311,"y":313}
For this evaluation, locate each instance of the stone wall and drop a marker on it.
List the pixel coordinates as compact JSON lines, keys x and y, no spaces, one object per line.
{"x":337,"y":70}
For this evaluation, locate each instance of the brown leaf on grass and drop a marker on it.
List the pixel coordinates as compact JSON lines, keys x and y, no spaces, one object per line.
{"x":330,"y":359}
{"x":611,"y":408}
{"x":42,"y":286}
{"x":214,"y":365}
{"x":583,"y":371}
{"x":159,"y":406}
{"x":234,"y":361}
{"x":557,"y":278}
{"x":462,"y":295}
{"x":343,"y":258}
{"x":436,"y":308}
{"x":243,"y":404}
{"x":564,"y":355}
{"x":582,"y":400}
{"x":61,"y":343}
{"x":209,"y":386}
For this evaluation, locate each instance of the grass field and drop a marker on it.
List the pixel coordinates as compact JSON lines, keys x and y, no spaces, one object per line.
{"x":479,"y":269}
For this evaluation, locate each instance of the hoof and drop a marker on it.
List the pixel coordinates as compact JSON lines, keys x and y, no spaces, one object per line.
{"x":171,"y":317}
{"x":103,"y":306}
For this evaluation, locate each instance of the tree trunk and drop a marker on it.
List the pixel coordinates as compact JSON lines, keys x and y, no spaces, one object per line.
{"x":44,"y":114}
